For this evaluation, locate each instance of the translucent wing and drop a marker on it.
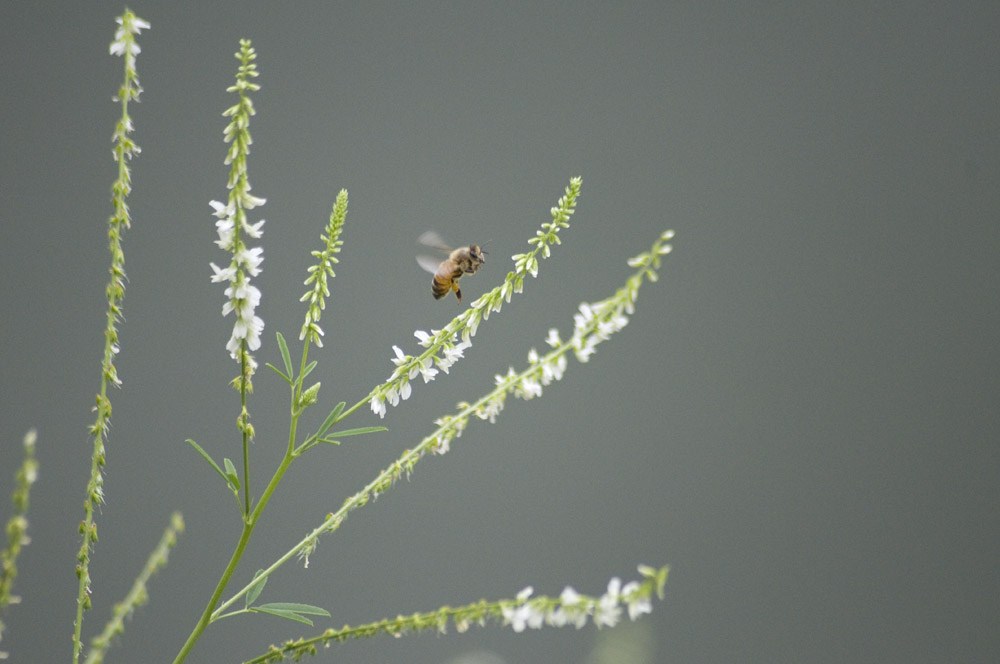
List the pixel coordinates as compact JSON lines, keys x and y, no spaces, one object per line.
{"x":432,"y":239}
{"x":429,"y":264}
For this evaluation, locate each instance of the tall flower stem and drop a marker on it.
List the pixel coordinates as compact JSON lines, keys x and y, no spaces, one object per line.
{"x":124,"y":44}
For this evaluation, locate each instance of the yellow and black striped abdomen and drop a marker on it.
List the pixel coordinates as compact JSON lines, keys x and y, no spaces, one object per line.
{"x":446,"y":279}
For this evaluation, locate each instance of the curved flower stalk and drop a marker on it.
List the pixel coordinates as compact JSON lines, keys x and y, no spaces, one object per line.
{"x":570,"y":608}
{"x":443,"y":346}
{"x":124,"y":44}
{"x":600,"y":321}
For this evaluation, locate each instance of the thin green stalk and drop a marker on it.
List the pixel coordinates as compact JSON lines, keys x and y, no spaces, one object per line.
{"x":246,"y":434}
{"x":234,"y":561}
{"x":137,"y":595}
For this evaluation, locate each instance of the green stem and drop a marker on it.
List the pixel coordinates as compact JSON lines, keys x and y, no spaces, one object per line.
{"x":248,"y":527}
{"x":344,"y":414}
{"x":246,"y":435}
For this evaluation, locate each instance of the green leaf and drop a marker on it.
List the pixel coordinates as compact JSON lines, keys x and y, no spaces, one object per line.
{"x":291,"y":611}
{"x":285,"y":357}
{"x":308,"y":369}
{"x":307,"y":609}
{"x":256,"y":589}
{"x":208,"y":458}
{"x":358,"y":431}
{"x":231,"y":476}
{"x":327,"y":440}
{"x":331,"y":419}
{"x":289,"y":615}
{"x":278,"y":371}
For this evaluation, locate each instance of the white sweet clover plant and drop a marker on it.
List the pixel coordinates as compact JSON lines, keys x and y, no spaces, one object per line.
{"x":240,"y":238}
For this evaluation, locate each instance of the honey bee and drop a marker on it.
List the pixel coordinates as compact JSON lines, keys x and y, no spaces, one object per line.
{"x":464,"y":260}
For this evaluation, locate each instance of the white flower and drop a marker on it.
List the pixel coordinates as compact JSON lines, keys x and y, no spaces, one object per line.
{"x":223,"y":274}
{"x":253,"y":230}
{"x":452,"y":353}
{"x":249,"y":201}
{"x":250,"y":259}
{"x":222,"y":210}
{"x":607,"y":612}
{"x":583,"y":349}
{"x":553,"y":338}
{"x":605,"y":329}
{"x":248,"y":329}
{"x":529,"y":388}
{"x":225,"y":227}
{"x":392,"y":396}
{"x":378,"y":406}
{"x":427,"y":371}
{"x":471,"y":323}
{"x":506,"y":291}
{"x":637,"y":605}
{"x":491,"y":409}
{"x":535,"y":616}
{"x":553,"y":369}
{"x":444,"y":444}
{"x":134,"y":26}
{"x":569,"y":596}
{"x":525,"y":615}
{"x":571,"y":610}
{"x":581,"y":319}
{"x":516,"y":617}
{"x":424,"y":338}
{"x":400,"y":358}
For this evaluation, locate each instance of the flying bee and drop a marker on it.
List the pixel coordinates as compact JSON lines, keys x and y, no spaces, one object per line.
{"x":464,"y":260}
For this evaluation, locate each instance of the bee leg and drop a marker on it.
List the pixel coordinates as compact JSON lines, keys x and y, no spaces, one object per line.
{"x":458,"y":292}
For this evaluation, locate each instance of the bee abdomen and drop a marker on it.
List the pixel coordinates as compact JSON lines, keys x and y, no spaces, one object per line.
{"x":440,"y":287}
{"x":445,"y":281}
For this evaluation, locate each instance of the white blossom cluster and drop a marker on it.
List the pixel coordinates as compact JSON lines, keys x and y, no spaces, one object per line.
{"x":232,"y":225}
{"x":575,"y":609}
{"x":443,"y":351}
{"x":242,"y":296}
{"x":129,"y":27}
{"x":570,"y":608}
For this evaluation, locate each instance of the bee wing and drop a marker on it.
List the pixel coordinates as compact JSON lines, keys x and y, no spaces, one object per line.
{"x":428,"y":263}
{"x":432,"y":239}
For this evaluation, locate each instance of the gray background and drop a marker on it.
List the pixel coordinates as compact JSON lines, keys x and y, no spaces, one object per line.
{"x":800,"y":419}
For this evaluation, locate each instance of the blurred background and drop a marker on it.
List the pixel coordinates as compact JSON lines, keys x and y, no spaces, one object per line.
{"x":800,"y":418}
